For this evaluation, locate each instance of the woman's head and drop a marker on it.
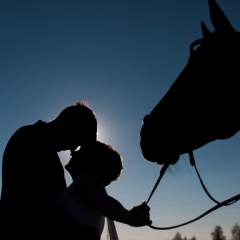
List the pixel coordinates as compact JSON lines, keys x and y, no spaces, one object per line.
{"x":98,"y":158}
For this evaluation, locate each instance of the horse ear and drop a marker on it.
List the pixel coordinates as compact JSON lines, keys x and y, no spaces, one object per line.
{"x":205,"y":31}
{"x":218,"y":18}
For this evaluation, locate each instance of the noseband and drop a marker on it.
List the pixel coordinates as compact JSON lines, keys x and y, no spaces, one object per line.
{"x":219,"y":204}
{"x":196,"y":43}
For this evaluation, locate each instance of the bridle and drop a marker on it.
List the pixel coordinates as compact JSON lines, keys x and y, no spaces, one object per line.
{"x":218,"y":204}
{"x":193,"y":163}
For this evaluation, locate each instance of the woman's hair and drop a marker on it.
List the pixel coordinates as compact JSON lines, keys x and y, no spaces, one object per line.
{"x":99,"y":158}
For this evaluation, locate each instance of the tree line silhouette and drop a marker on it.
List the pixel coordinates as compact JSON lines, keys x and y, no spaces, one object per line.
{"x":217,"y":234}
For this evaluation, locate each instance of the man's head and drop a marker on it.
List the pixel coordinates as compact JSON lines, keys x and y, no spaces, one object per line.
{"x":75,"y":125}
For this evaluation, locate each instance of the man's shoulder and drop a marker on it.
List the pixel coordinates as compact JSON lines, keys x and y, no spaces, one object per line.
{"x":29,"y":131}
{"x":39,"y":125}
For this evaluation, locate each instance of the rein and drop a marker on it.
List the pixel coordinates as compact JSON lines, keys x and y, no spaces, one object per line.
{"x":219,"y":204}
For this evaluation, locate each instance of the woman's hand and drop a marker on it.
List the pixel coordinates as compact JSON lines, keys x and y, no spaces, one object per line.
{"x":139,"y":215}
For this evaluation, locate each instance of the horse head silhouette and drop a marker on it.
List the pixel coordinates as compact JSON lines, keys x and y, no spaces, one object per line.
{"x":202,"y":104}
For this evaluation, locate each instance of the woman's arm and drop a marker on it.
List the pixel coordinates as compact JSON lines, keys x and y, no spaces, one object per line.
{"x":94,"y":193}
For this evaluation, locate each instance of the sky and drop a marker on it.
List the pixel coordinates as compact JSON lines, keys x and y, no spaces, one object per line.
{"x":121,"y":57}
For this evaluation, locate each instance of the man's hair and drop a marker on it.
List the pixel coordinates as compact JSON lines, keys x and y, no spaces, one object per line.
{"x":80,"y":116}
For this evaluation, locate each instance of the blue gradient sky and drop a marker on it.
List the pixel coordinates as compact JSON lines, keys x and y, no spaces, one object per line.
{"x":122,"y":57}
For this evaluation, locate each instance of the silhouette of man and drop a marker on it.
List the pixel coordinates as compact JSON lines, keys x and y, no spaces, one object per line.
{"x":33,"y":175}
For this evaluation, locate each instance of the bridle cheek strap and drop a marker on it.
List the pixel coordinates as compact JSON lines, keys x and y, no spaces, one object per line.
{"x":219,"y":204}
